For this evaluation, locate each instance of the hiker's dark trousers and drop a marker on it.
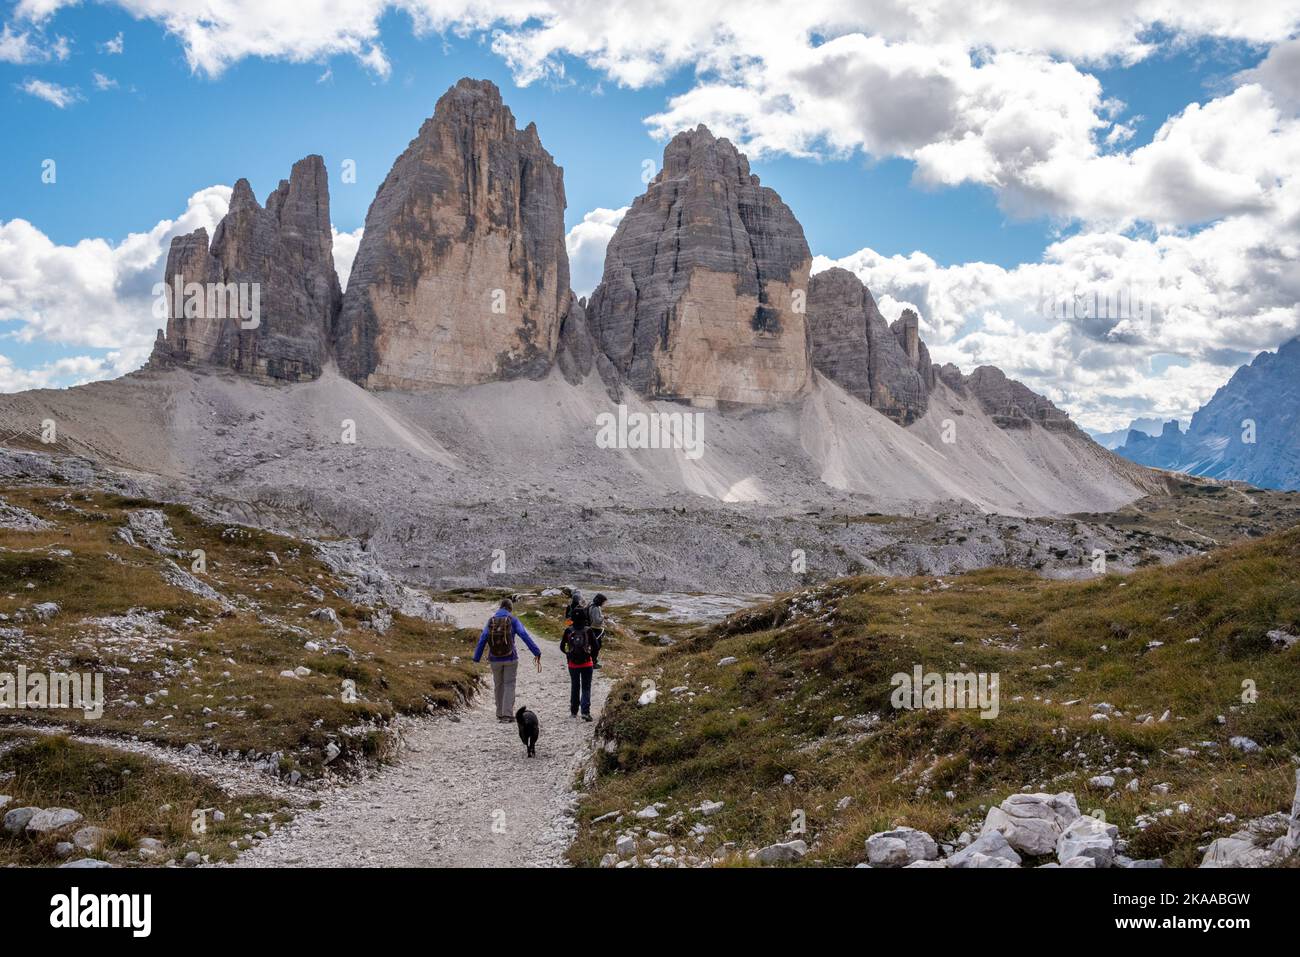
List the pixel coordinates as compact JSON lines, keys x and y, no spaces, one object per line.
{"x":579,"y":680}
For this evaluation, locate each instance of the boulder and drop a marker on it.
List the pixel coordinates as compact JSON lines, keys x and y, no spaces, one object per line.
{"x":15,"y":821}
{"x":900,"y":847}
{"x":790,"y":852}
{"x":90,"y":838}
{"x":1088,"y":837}
{"x":1032,"y":823}
{"x":52,"y":820}
{"x":989,"y":846}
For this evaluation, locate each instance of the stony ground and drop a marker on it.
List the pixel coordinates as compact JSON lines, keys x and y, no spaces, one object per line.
{"x":462,"y":794}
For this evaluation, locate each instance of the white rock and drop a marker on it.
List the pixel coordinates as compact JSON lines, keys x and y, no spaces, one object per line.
{"x":790,"y":852}
{"x":647,"y":812}
{"x":45,"y":610}
{"x":1242,"y":743}
{"x":1101,"y":781}
{"x":900,"y":847}
{"x":51,"y":820}
{"x":987,"y":847}
{"x":90,"y":838}
{"x":710,"y":808}
{"x":1080,"y":862}
{"x":1282,"y":639}
{"x":1032,"y":823}
{"x":1088,"y":837}
{"x":648,"y":697}
{"x":729,"y":660}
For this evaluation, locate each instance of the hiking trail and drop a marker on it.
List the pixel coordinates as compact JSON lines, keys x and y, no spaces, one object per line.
{"x":462,"y":793}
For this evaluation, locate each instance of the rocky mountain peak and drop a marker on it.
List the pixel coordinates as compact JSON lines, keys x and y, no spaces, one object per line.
{"x":1248,"y":431}
{"x":462,"y":274}
{"x":701,"y":294}
{"x":885,"y":366}
{"x":261,"y":299}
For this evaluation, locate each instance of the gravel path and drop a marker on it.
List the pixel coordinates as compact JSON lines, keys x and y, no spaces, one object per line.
{"x":463,"y":794}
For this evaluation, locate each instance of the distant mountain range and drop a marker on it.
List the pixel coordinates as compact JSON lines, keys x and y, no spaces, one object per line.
{"x":1249,"y":431}
{"x":1113,"y":440}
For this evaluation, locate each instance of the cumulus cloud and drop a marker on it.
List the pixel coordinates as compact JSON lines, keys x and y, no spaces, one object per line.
{"x":26,"y":47}
{"x":1004,"y":96}
{"x":115,"y":46}
{"x":96,"y":294}
{"x":103,"y":82}
{"x":345,"y":251}
{"x":69,"y":371}
{"x":1107,"y":324}
{"x":586,"y":243}
{"x":60,"y":96}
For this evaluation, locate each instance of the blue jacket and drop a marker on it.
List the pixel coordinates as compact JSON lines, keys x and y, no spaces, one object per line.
{"x":520,"y":632}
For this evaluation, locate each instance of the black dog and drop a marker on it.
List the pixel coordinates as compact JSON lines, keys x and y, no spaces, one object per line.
{"x":529,"y":729}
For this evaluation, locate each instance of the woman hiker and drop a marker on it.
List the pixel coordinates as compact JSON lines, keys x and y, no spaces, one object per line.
{"x":576,"y":645}
{"x":499,"y":636}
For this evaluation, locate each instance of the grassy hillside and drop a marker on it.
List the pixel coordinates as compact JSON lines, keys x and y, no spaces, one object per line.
{"x":809,"y":697}
{"x":197,"y":657}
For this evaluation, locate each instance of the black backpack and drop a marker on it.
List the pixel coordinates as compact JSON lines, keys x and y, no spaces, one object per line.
{"x":579,"y":615}
{"x":578,"y":646}
{"x":500,"y":643}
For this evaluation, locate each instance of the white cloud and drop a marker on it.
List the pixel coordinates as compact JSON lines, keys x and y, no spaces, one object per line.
{"x":115,"y":46}
{"x":60,"y":96}
{"x":103,"y":82}
{"x":69,"y":371}
{"x":586,"y":243}
{"x":345,"y":251}
{"x":1215,"y":298}
{"x":24,"y":47}
{"x":97,"y":293}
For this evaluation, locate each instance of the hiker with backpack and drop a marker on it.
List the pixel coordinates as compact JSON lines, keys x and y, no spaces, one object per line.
{"x":576,"y":645}
{"x":499,"y":638}
{"x":576,"y":613}
{"x":596,"y":617}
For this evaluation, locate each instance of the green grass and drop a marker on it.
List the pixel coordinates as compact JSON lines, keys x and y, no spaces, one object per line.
{"x":129,"y":796}
{"x":219,"y":667}
{"x":830,"y":652}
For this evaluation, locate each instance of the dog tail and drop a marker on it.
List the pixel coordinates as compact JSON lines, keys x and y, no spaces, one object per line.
{"x":519,"y":715}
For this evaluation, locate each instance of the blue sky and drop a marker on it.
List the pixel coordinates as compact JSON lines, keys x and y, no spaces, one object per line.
{"x":999,"y":174}
{"x":129,"y":155}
